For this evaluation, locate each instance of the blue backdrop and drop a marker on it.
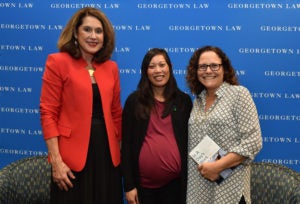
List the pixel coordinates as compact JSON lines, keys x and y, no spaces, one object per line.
{"x":262,"y":38}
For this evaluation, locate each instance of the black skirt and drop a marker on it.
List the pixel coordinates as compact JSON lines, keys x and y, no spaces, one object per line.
{"x":99,"y":181}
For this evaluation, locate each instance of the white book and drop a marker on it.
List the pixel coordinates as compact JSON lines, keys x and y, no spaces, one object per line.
{"x":207,"y":150}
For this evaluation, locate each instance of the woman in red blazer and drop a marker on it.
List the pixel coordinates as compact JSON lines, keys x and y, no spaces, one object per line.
{"x":81,"y":112}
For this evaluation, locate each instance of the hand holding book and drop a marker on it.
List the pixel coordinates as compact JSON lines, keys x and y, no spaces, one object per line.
{"x":206,"y":151}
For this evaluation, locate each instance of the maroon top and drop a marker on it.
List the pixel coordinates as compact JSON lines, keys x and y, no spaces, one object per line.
{"x":159,"y":160}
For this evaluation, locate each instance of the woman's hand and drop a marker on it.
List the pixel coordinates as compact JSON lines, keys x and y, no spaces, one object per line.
{"x":61,"y":175}
{"x":212,"y":170}
{"x":132,"y":196}
{"x":209,"y":171}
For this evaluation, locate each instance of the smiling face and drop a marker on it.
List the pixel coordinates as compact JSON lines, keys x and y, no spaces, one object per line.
{"x":212,"y":80}
{"x":158,"y":71}
{"x":90,"y":36}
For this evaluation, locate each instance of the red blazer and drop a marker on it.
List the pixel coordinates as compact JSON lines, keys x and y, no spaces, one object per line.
{"x":66,"y":106}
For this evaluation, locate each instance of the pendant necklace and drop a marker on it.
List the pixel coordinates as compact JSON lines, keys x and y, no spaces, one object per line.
{"x":91,"y":70}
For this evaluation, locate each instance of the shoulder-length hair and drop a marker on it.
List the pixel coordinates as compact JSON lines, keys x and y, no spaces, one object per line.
{"x":66,"y":42}
{"x":192,"y":80}
{"x":146,"y":99}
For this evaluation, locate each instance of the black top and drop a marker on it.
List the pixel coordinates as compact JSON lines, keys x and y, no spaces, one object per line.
{"x":97,"y":104}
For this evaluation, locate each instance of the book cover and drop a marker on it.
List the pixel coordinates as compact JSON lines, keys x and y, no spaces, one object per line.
{"x":207,"y":150}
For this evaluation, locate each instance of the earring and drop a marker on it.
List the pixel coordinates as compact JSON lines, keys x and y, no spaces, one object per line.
{"x":76,"y":43}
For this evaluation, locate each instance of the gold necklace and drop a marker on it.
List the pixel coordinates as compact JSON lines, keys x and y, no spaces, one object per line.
{"x":91,"y":70}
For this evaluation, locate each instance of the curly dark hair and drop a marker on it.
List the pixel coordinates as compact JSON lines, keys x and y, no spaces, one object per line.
{"x":192,"y":80}
{"x":66,"y":42}
{"x":146,"y":99}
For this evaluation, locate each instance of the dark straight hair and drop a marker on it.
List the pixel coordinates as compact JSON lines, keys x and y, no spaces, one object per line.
{"x":146,"y":99}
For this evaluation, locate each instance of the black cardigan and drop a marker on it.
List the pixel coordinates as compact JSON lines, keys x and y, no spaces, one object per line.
{"x":134,"y":131}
